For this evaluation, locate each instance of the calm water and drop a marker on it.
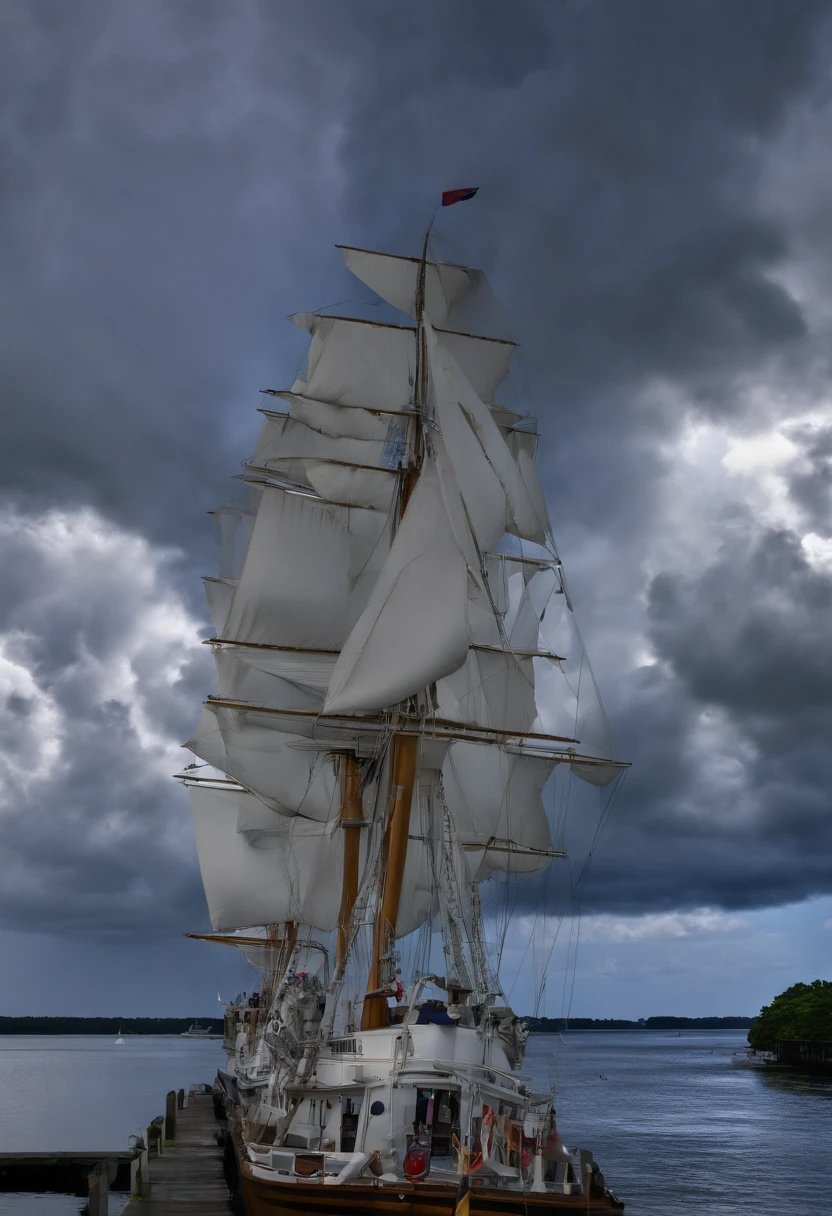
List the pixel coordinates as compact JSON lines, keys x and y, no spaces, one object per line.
{"x":83,"y":1092}
{"x":677,"y":1128}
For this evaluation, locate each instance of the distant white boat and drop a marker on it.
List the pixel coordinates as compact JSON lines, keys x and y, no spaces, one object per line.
{"x":120,"y":1041}
{"x":195,"y":1031}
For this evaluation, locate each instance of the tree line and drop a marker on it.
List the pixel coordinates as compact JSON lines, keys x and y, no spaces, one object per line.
{"x":556,"y":1025}
{"x":58,"y":1025}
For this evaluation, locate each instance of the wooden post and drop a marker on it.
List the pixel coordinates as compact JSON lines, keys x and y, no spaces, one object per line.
{"x":170,"y":1115}
{"x":180,"y":1100}
{"x":99,"y":1187}
{"x":139,"y":1176}
{"x":156,"y":1131}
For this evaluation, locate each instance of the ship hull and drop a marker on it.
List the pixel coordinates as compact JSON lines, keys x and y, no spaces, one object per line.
{"x":266,"y":1197}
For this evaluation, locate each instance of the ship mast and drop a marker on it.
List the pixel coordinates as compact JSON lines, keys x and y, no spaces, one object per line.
{"x":352,"y":820}
{"x":405,"y":748}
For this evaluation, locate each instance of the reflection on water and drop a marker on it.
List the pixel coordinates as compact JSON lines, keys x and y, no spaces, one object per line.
{"x":679,"y":1129}
{"x":676,"y":1126}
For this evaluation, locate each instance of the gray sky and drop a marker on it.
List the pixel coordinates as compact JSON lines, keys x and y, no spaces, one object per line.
{"x":655,"y":218}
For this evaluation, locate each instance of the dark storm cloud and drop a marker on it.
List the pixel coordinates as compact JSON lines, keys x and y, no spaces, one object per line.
{"x":175,"y":175}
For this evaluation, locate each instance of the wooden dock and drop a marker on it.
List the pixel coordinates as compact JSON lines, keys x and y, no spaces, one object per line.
{"x":187,"y":1178}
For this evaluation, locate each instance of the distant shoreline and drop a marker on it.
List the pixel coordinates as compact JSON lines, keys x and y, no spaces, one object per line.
{"x":174,"y":1026}
{"x":86,"y":1026}
{"x":561,"y":1025}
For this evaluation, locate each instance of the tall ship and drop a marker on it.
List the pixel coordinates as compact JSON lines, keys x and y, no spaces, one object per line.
{"x":402,"y":691}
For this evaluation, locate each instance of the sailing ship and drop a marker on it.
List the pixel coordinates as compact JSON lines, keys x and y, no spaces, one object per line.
{"x":400,"y":677}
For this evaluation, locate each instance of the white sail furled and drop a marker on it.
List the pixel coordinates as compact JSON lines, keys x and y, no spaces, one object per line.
{"x":414,"y":629}
{"x":373,"y":364}
{"x":291,"y":874}
{"x":285,"y":776}
{"x":495,"y":802}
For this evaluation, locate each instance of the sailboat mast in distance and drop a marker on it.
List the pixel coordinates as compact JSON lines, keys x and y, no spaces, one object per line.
{"x":401,"y":690}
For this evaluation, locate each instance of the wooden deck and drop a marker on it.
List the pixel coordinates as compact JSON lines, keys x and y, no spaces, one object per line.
{"x":187,"y":1179}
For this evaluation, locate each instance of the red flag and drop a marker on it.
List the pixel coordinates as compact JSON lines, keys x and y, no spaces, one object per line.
{"x":449,"y":197}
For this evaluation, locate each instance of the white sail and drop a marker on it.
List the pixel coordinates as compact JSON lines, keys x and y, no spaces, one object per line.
{"x":293,"y":873}
{"x":373,"y":364}
{"x":294,"y":587}
{"x":350,"y":421}
{"x":231,"y":526}
{"x":395,"y":279}
{"x":287,"y":777}
{"x":493,"y":689}
{"x":414,"y":628}
{"x":419,"y":900}
{"x":495,"y":802}
{"x":456,"y":401}
{"x":346,"y":471}
{"x":219,"y":592}
{"x":457,"y":297}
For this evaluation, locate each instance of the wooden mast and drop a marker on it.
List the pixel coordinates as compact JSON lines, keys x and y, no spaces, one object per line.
{"x":405,"y":748}
{"x":352,"y":820}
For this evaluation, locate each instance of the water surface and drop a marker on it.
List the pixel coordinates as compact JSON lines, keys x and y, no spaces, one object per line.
{"x":679,"y":1130}
{"x":82,"y":1092}
{"x":676,"y":1126}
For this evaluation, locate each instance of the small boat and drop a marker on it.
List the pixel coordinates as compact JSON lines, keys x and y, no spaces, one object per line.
{"x":120,"y":1041}
{"x":195,"y":1031}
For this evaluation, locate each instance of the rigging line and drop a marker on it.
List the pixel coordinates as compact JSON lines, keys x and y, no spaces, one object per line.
{"x":568,"y":956}
{"x":541,"y":899}
{"x":545,"y":966}
{"x":577,"y":891}
{"x":574,"y":968}
{"x":507,"y":919}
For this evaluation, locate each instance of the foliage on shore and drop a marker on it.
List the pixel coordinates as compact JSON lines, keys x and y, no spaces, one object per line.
{"x":803,"y":1011}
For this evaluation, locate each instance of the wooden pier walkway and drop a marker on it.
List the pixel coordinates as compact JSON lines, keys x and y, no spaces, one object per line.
{"x":187,"y":1179}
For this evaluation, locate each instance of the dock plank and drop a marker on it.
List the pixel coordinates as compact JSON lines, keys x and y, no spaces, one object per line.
{"x":187,"y":1179}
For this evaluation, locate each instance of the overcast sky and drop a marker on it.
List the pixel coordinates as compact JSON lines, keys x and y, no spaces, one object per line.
{"x":656,"y":218}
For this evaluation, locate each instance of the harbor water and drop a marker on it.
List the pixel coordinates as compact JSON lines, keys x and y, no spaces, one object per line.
{"x":678,"y":1126}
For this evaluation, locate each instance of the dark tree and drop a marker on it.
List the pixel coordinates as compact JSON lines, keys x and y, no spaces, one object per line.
{"x":803,"y":1011}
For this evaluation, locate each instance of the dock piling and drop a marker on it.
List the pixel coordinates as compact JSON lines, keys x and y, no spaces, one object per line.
{"x":170,"y":1115}
{"x":180,"y":1100}
{"x":139,"y":1177}
{"x":99,"y":1189}
{"x":156,"y":1133}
